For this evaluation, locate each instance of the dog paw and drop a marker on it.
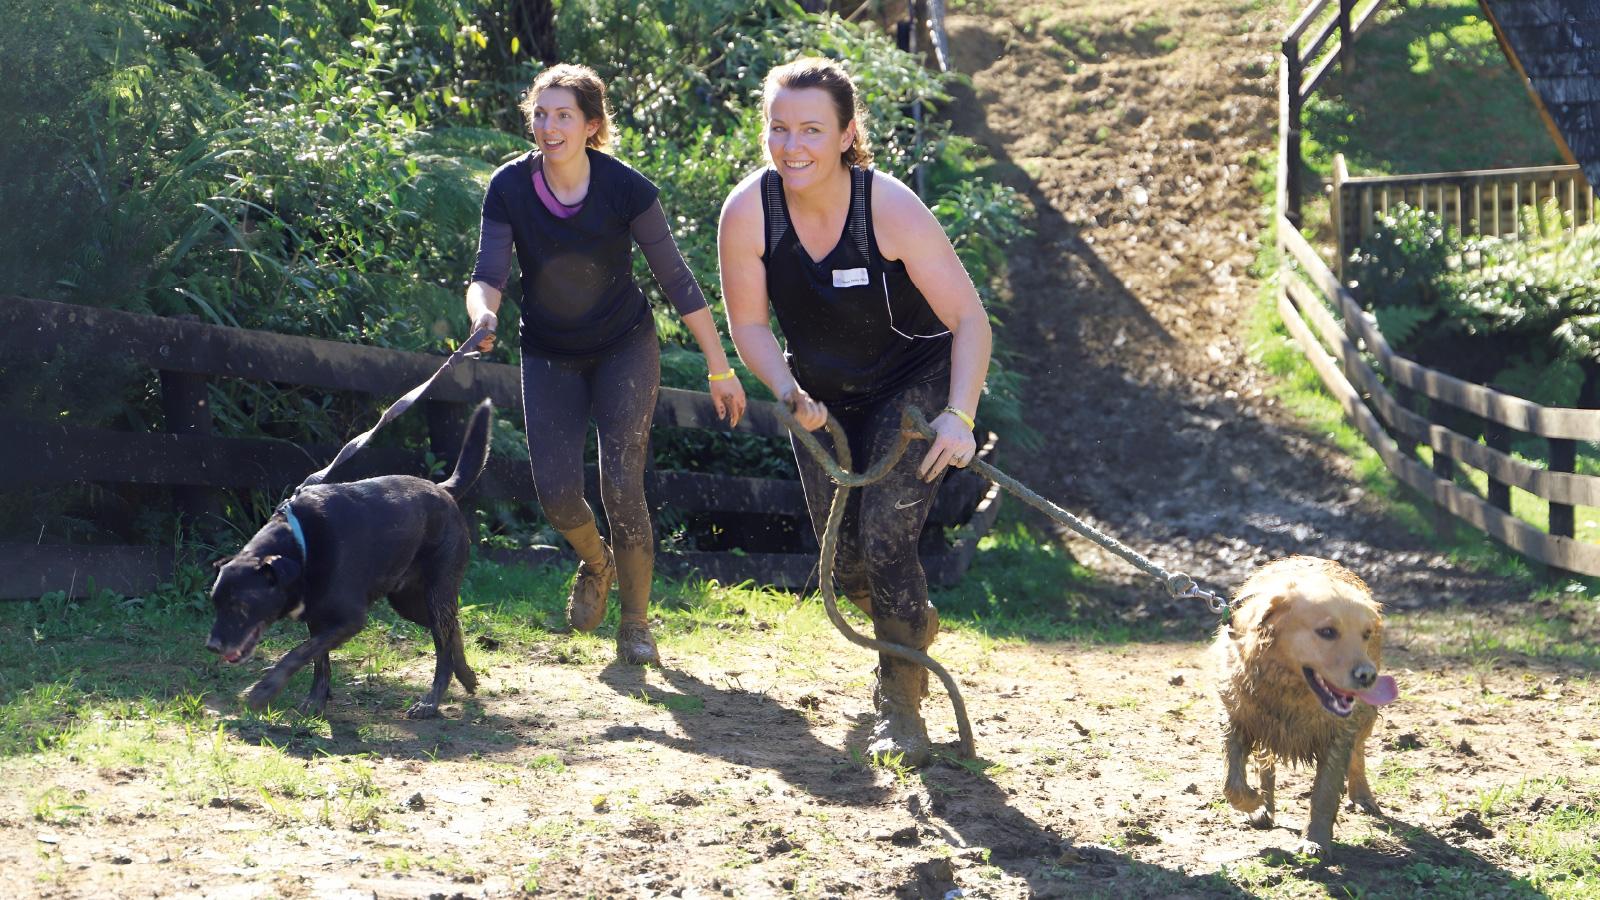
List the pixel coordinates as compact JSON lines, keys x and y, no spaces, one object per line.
{"x":1313,"y":849}
{"x":422,"y":709}
{"x":1245,"y":800}
{"x":312,"y":707}
{"x":1365,"y":803}
{"x":1261,"y":818}
{"x":259,"y":696}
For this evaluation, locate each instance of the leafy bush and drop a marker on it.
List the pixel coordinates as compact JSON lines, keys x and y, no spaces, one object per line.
{"x":1522,"y":315}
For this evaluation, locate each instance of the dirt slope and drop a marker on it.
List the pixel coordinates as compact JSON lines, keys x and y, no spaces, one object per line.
{"x":1130,"y":302}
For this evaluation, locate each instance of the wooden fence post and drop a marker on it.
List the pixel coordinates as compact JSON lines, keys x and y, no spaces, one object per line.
{"x":1498,"y":437}
{"x":1289,"y":163}
{"x":187,"y":410}
{"x":1563,"y":458}
{"x":1341,"y":248}
{"x":1346,"y":38}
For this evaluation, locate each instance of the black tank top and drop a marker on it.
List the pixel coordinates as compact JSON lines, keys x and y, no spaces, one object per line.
{"x":857,"y":329}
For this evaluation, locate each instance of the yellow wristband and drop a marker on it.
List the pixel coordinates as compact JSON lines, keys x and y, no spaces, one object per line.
{"x":965,"y":419}
{"x":721,"y":377}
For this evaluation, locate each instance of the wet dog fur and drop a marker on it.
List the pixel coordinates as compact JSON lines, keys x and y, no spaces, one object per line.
{"x":396,"y":536}
{"x":1298,"y":666}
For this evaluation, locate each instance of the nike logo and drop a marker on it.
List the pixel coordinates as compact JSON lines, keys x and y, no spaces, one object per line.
{"x":899,"y":505}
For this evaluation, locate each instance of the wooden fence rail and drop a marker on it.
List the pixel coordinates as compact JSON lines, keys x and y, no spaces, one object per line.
{"x":1335,"y":347}
{"x":193,"y":462}
{"x":1486,"y":202}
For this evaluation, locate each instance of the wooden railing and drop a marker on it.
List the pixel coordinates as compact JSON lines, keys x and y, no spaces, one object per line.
{"x":193,"y":462}
{"x":1321,"y":36}
{"x":1334,"y":342}
{"x":1486,"y":202}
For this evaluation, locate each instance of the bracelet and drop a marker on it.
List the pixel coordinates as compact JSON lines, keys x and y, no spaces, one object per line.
{"x":722,"y":377}
{"x":965,"y":419}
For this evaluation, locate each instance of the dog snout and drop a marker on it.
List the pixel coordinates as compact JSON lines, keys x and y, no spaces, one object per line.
{"x":1364,"y":674}
{"x":214,"y":644}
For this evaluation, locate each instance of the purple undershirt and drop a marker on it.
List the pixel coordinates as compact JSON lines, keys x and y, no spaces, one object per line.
{"x":548,"y":198}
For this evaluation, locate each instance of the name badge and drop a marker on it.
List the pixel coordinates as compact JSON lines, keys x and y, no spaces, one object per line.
{"x":849,"y":277}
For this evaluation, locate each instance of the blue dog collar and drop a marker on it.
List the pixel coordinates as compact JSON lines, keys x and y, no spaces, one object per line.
{"x":294,"y":528}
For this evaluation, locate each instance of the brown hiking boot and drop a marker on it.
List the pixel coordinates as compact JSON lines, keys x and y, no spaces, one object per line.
{"x":586,"y":605}
{"x":636,"y":646}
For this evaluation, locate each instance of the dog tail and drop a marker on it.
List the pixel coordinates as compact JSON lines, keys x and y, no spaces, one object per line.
{"x":474,"y":451}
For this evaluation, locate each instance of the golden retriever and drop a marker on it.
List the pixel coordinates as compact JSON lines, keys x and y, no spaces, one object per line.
{"x":1298,"y":665}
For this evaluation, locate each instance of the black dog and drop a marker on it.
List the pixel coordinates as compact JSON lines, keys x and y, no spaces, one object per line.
{"x":330,"y":552}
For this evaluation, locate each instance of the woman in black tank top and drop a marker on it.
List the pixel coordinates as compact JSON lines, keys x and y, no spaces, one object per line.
{"x":877,"y":314}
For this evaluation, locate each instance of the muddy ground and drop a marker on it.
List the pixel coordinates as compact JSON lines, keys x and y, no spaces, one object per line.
{"x":728,"y":773}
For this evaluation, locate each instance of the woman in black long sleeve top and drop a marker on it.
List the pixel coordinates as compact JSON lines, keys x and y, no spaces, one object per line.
{"x":589,"y":348}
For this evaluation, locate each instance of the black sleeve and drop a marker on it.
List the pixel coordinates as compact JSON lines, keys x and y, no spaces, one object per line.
{"x":494,"y":253}
{"x":494,"y":202}
{"x":650,"y":232}
{"x":638,"y":193}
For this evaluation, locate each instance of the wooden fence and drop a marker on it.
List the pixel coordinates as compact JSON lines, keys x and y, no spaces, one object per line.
{"x":1483,"y":202}
{"x":1321,"y":36}
{"x":1394,"y":428}
{"x":193,"y":462}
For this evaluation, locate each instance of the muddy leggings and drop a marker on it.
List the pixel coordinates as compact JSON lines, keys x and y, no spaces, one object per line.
{"x":877,"y":566}
{"x":618,"y":390}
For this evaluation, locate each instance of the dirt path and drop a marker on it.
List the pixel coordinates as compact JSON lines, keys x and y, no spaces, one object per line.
{"x":723,"y":776}
{"x":1130,"y":303}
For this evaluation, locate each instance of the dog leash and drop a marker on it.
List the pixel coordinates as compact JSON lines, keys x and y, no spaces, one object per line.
{"x":1178,"y":584}
{"x":355,"y":444}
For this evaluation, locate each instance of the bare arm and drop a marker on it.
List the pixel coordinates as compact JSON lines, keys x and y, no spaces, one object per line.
{"x":744,"y":291}
{"x":907,"y":231}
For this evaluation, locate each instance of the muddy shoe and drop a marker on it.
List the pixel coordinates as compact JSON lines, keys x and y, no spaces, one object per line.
{"x":636,"y":646}
{"x":899,"y":732}
{"x":899,"y":729}
{"x":586,"y":605}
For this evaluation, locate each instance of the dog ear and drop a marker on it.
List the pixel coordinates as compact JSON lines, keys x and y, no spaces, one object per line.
{"x":221,"y":561}
{"x":1255,"y":615}
{"x":280,"y":569}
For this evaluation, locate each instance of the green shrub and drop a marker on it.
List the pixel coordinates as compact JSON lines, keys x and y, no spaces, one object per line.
{"x":1522,"y":315}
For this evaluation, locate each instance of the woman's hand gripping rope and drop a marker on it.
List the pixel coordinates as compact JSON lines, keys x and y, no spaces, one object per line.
{"x":839,"y":471}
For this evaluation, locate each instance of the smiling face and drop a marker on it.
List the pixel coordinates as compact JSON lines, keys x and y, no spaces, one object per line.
{"x":1318,"y":620}
{"x":559,"y":125}
{"x":1334,"y":641}
{"x":805,"y":139}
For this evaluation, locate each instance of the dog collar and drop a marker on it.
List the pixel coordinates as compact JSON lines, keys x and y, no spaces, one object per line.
{"x":295,"y":529}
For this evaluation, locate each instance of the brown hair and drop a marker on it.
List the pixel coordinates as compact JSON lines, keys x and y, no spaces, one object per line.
{"x":586,"y":86}
{"x":830,"y":76}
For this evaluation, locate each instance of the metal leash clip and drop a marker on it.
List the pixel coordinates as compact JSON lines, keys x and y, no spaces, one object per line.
{"x":1182,"y":587}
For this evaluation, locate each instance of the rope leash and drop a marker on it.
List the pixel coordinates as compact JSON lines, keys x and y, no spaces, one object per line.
{"x":839,"y":472}
{"x":1179,"y":585}
{"x":913,"y":425}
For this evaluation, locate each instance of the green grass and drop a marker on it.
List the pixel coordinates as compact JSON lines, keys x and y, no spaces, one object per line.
{"x":1429,"y":91}
{"x":126,"y":681}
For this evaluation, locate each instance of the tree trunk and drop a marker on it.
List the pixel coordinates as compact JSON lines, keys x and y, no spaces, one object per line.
{"x":534,"y":24}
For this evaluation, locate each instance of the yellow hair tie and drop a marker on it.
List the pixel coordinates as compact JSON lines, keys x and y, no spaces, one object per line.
{"x":722,"y":377}
{"x":965,"y":419}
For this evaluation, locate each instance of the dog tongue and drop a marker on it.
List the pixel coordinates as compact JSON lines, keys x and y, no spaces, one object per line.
{"x":1382,"y":691}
